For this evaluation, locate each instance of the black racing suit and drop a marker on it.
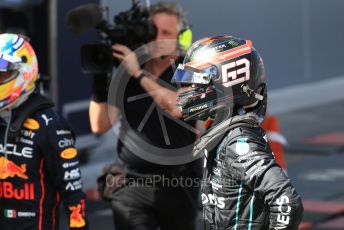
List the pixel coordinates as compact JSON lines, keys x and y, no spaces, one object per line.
{"x":244,"y":188}
{"x":41,"y":169}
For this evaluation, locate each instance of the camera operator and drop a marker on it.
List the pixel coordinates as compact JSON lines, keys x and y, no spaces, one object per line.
{"x":150,"y":207}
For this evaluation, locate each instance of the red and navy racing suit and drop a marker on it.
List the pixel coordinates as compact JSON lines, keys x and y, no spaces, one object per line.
{"x":244,"y":188}
{"x":41,"y":169}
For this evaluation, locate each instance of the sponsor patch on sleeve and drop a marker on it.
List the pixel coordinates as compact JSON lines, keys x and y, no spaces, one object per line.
{"x":69,"y":153}
{"x":242,"y":147}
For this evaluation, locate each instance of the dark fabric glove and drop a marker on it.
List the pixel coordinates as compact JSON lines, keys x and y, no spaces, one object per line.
{"x":112,"y":178}
{"x":100,"y":88}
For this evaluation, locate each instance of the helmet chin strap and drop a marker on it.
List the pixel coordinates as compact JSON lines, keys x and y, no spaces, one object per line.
{"x":250,"y":106}
{"x":5,"y":114}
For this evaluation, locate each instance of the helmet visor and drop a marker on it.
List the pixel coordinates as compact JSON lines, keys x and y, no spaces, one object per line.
{"x":8,"y":76}
{"x":7,"y":71}
{"x":4,"y":65}
{"x":185,"y":75}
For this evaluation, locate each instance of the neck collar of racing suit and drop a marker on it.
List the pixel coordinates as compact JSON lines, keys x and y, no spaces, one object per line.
{"x":28,"y":107}
{"x":215,"y":135}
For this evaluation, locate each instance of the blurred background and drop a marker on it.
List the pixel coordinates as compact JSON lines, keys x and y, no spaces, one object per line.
{"x":302,"y":45}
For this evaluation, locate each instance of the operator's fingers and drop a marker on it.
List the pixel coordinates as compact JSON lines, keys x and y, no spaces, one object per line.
{"x":121,"y":49}
{"x":118,"y":56}
{"x":117,"y":51}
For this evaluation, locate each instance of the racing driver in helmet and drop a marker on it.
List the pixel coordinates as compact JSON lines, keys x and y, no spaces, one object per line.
{"x":243,"y":187}
{"x":39,"y":164}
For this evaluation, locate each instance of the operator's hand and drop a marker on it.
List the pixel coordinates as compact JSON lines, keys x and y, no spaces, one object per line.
{"x":127,"y":58}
